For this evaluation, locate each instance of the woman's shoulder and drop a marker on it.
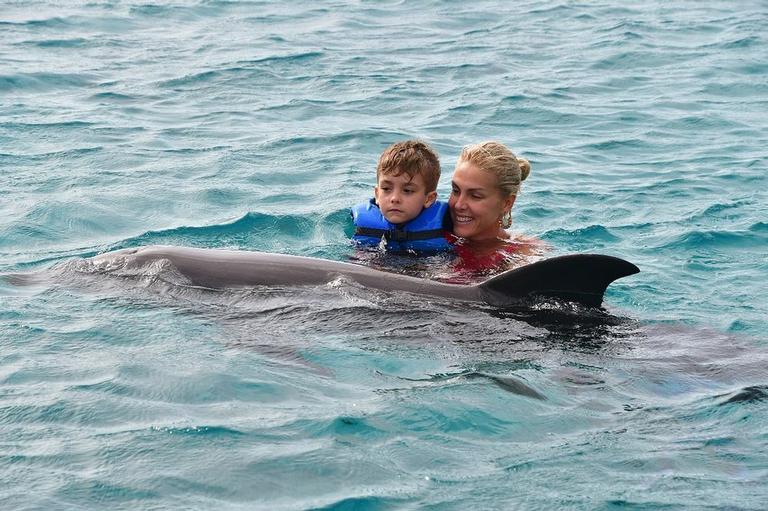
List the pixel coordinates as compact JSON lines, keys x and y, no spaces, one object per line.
{"x":523,"y":243}
{"x":480,"y":260}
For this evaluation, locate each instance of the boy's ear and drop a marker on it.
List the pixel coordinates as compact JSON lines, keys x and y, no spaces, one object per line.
{"x":430,"y":198}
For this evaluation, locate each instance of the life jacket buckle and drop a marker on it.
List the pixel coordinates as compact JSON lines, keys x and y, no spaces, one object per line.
{"x":398,"y":235}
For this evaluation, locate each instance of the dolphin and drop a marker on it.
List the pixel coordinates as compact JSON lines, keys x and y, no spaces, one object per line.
{"x":580,"y":278}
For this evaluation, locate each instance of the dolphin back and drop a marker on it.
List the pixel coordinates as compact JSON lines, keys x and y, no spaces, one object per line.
{"x":580,"y":278}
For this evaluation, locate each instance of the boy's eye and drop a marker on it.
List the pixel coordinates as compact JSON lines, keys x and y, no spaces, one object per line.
{"x":477,"y":196}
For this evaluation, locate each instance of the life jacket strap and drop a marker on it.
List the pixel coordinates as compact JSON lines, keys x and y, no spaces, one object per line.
{"x":399,"y":235}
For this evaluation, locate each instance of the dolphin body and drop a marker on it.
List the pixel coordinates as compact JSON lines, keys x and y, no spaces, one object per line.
{"x":581,"y":278}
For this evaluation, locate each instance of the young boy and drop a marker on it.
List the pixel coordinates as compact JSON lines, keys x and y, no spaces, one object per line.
{"x":404,"y":214}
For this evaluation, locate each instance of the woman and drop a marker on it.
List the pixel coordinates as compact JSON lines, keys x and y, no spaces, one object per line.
{"x":485,"y":183}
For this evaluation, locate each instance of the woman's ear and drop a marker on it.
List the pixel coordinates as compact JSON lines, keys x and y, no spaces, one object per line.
{"x":430,"y":199}
{"x":509,"y":202}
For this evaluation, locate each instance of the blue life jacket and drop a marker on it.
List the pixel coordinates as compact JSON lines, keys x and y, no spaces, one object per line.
{"x":425,"y":233}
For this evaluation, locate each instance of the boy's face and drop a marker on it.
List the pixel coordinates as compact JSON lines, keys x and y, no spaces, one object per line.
{"x":401,"y":198}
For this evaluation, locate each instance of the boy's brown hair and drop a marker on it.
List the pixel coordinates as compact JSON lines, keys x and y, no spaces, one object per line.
{"x":413,"y":158}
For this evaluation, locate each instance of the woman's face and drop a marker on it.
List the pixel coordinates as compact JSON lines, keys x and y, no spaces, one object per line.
{"x":477,"y":204}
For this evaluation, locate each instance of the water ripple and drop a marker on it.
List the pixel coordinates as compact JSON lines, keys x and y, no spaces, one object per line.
{"x":42,"y":81}
{"x":255,"y":125}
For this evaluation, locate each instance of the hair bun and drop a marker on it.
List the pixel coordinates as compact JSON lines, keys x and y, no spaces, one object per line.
{"x":525,"y":168}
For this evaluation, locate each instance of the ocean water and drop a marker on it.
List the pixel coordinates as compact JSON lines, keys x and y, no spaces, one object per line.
{"x":254,"y":125}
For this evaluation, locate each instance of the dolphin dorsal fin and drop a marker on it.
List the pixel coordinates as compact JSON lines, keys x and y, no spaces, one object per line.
{"x":580,"y":278}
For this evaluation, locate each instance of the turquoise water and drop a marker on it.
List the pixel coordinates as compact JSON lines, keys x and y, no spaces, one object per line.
{"x":255,"y":125}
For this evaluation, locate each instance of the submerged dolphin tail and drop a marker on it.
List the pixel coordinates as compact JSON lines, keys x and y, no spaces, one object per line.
{"x":580,"y":278}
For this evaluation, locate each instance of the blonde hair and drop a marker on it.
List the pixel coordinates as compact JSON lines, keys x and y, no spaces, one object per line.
{"x":496,"y":158}
{"x":413,"y":158}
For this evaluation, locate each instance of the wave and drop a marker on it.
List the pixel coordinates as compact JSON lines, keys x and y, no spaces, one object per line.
{"x":76,"y":42}
{"x":67,"y":153}
{"x":54,"y":22}
{"x":258,"y":231}
{"x":713,"y":240}
{"x":42,"y":81}
{"x":242,"y":69}
{"x":589,"y":234}
{"x":19,"y":126}
{"x":752,"y":394}
{"x":114,"y":97}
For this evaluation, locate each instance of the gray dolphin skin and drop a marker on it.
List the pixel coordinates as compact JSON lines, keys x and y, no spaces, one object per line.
{"x":581,"y":278}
